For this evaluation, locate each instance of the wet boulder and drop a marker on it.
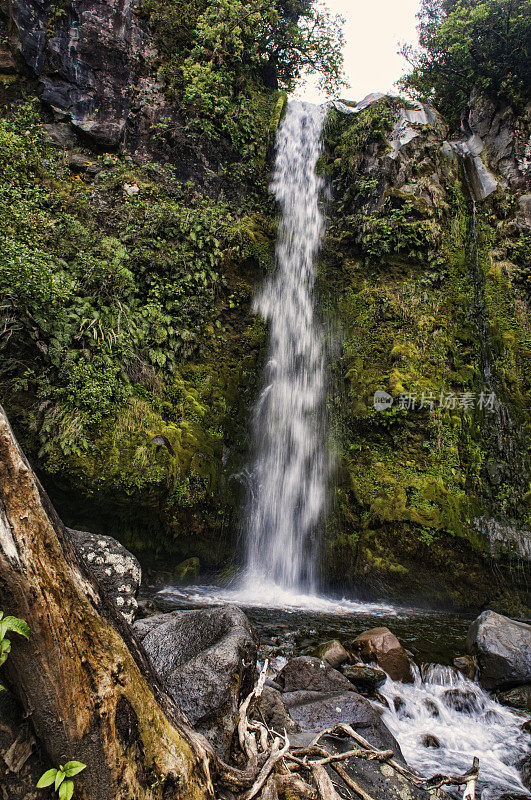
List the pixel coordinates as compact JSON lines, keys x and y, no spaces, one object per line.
{"x":366,"y":679}
{"x":503,"y":650}
{"x":519,"y":697}
{"x":307,"y":673}
{"x":429,"y":740}
{"x":115,"y":568}
{"x":381,"y":646}
{"x":332,"y":652}
{"x":467,"y":702}
{"x":207,"y":658}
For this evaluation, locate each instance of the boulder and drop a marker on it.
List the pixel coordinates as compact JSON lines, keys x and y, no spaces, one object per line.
{"x":115,"y":568}
{"x":519,"y":697}
{"x":467,"y":666}
{"x":332,"y":652}
{"x":367,"y":679}
{"x":350,"y":708}
{"x":272,"y":708}
{"x":207,"y":658}
{"x":503,"y":650}
{"x":381,"y":646}
{"x":311,"y":674}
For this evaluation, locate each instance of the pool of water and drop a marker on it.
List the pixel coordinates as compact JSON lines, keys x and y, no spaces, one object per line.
{"x":289,"y":623}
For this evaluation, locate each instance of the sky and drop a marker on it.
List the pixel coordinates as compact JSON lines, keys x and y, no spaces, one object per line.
{"x":373,"y":29}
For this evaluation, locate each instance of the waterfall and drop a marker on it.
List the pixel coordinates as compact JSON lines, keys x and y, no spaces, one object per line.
{"x":289,"y":473}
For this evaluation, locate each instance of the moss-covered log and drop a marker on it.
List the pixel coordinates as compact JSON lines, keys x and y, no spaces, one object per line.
{"x":83,"y":680}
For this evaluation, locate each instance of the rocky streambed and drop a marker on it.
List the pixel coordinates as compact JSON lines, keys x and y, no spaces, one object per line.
{"x":433,"y":717}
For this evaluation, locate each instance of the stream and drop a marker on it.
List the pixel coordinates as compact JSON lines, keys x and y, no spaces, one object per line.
{"x":465,"y":723}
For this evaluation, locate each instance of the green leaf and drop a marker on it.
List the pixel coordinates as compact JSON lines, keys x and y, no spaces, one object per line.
{"x":18,"y":625}
{"x":66,"y":790}
{"x":59,"y":778}
{"x":47,"y":779}
{"x":72,"y":768}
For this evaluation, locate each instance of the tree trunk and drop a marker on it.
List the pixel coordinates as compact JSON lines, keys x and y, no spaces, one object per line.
{"x":82,"y":678}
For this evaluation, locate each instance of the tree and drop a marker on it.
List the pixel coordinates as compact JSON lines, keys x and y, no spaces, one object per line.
{"x":466,"y":44}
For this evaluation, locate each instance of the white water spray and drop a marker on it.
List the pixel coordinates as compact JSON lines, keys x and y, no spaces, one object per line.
{"x":290,"y":469}
{"x":461,"y":721}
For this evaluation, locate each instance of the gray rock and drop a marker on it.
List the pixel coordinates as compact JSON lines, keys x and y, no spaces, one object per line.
{"x":207,"y":659}
{"x":461,"y":700}
{"x":332,"y":652}
{"x":350,"y":708}
{"x":365,"y":678}
{"x":274,"y":711}
{"x":503,"y":650}
{"x":519,"y":697}
{"x":429,"y":740}
{"x":115,"y":568}
{"x":81,"y":163}
{"x":311,"y":674}
{"x":59,"y":134}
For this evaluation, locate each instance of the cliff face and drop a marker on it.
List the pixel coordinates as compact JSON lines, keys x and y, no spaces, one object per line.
{"x":130,"y":357}
{"x":426,"y":272}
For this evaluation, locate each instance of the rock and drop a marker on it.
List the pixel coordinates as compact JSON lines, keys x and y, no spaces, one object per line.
{"x":59,"y":134}
{"x":467,"y":666}
{"x":526,"y":727}
{"x":78,"y":162}
{"x":460,"y":700}
{"x":351,"y":708}
{"x":187,"y":569}
{"x":367,"y":679}
{"x":115,"y":568}
{"x":311,"y":674}
{"x":274,"y":711}
{"x":207,"y":659}
{"x":503,"y":650}
{"x":332,"y":652}
{"x":399,"y":705}
{"x":131,"y":189}
{"x":519,"y":697}
{"x":429,"y":740}
{"x":432,"y":707}
{"x":381,"y":646}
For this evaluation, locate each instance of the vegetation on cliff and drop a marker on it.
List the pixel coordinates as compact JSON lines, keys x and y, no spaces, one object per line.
{"x":465,"y":45}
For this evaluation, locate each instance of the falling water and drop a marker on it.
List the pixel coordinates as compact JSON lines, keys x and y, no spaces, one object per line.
{"x":289,"y":471}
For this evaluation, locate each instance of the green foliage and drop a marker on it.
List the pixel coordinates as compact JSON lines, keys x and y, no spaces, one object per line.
{"x":61,"y":778}
{"x":466,"y":44}
{"x":235,"y":50}
{"x":10,"y":624}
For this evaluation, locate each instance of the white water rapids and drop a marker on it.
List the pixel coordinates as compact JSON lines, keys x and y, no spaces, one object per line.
{"x":289,"y":475}
{"x":465,"y":722}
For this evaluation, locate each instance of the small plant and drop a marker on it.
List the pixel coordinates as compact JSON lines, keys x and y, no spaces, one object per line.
{"x":10,"y":624}
{"x":62,"y":779}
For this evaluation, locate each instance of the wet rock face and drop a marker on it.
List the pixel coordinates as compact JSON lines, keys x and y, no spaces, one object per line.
{"x":382,"y":646}
{"x":86,"y":61}
{"x":503,"y":650}
{"x":91,"y":64}
{"x":207,"y":659}
{"x":115,"y":568}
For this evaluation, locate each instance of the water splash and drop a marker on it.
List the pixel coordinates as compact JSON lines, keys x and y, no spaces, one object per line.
{"x":290,"y":468}
{"x":464,"y":721}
